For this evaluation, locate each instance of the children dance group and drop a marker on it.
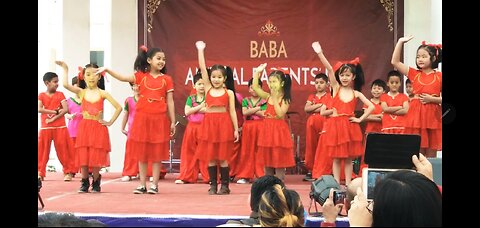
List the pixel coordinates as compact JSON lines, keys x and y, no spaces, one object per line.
{"x":212,"y":136}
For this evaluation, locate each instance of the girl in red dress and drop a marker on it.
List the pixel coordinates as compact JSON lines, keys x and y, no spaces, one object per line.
{"x":275,"y":143}
{"x":154,"y":121}
{"x":93,"y":141}
{"x":343,"y":136}
{"x":394,"y":105}
{"x":425,"y":113}
{"x":219,"y":127}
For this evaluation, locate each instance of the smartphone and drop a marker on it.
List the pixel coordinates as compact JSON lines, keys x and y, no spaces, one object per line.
{"x":339,"y":196}
{"x":371,"y":176}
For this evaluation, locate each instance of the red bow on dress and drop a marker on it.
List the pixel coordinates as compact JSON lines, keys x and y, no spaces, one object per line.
{"x":80,"y":73}
{"x":355,"y":62}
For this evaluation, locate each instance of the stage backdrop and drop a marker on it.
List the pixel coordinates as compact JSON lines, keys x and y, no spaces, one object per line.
{"x":244,"y":34}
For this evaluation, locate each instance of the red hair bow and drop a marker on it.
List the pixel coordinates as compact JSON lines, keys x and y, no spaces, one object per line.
{"x":144,"y":48}
{"x":432,"y":45}
{"x":354,"y":61}
{"x":80,"y":73}
{"x":436,"y":46}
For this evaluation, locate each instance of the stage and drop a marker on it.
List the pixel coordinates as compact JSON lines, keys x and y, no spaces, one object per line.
{"x":175,"y":205}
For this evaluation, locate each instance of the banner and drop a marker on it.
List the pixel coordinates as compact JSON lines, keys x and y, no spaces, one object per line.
{"x":244,"y":34}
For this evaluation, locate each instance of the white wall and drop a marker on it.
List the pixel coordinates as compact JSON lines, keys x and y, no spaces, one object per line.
{"x":120,"y":53}
{"x":423,"y":20}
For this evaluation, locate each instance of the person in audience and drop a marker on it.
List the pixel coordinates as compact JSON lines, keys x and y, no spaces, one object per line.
{"x":66,"y":220}
{"x":259,"y":186}
{"x":406,"y":198}
{"x":281,"y":207}
{"x":331,"y":210}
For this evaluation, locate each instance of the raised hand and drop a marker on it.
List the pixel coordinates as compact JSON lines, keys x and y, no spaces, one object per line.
{"x":100,"y":70}
{"x":200,"y":45}
{"x":405,"y":39}
{"x":261,"y":67}
{"x":61,"y":64}
{"x":316,"y":47}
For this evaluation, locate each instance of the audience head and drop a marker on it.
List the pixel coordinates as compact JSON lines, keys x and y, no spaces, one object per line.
{"x":66,"y":220}
{"x":261,"y":185}
{"x":280,"y":207}
{"x":406,"y":198}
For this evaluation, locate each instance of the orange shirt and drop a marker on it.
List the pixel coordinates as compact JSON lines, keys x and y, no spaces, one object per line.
{"x":152,"y":92}
{"x":391,"y":120}
{"x":52,"y":103}
{"x":324,"y":99}
{"x":372,"y":126}
{"x":425,"y":83}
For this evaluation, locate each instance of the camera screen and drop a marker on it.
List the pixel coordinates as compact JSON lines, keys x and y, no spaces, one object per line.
{"x":374,"y":176}
{"x":339,"y":197}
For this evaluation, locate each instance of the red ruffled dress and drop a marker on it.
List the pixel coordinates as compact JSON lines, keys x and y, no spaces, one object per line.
{"x":275,"y":143}
{"x":343,"y":138}
{"x":93,"y":140}
{"x":216,"y":137}
{"x":150,"y":133}
{"x":425,"y":119}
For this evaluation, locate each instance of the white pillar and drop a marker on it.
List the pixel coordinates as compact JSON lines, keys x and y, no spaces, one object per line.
{"x":120,"y":53}
{"x":75,"y":50}
{"x":417,"y":22}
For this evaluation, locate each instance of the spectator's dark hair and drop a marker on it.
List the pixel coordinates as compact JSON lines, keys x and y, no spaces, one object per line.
{"x":408,"y":81}
{"x":250,"y":82}
{"x":141,"y":63}
{"x":379,"y":82}
{"x":280,"y":207}
{"x":261,"y":185}
{"x":407,"y":199}
{"x":356,"y":70}
{"x":198,"y":75}
{"x":66,"y":220}
{"x":47,"y":77}
{"x":394,"y":73}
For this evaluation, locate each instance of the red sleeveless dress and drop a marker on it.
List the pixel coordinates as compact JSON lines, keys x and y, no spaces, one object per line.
{"x":275,"y":143}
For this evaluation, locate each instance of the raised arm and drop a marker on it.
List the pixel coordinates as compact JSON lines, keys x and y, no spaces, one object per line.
{"x":123,"y":78}
{"x":402,"y":68}
{"x":71,"y":88}
{"x":256,"y":77}
{"x":201,"y":63}
{"x":116,"y":105}
{"x":331,"y":74}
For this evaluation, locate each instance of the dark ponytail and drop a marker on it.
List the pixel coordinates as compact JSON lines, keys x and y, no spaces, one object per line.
{"x":141,"y":63}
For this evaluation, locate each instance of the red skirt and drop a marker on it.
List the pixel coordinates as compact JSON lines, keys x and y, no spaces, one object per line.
{"x":150,"y":137}
{"x":215,"y":141}
{"x":426,"y":121}
{"x":275,"y":144}
{"x":249,"y":164}
{"x":343,"y":139}
{"x":92,"y":144}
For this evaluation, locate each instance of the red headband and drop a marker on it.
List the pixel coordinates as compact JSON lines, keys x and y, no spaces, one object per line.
{"x":355,"y":62}
{"x":436,"y":46}
{"x":144,"y":48}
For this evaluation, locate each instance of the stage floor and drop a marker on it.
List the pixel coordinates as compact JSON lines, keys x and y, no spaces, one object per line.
{"x":175,"y":200}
